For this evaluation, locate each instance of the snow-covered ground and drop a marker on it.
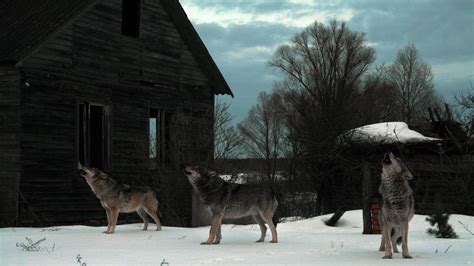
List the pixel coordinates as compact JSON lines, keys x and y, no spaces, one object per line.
{"x":301,"y":242}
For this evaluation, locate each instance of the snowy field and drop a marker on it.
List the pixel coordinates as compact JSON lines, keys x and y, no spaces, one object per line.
{"x":301,"y":242}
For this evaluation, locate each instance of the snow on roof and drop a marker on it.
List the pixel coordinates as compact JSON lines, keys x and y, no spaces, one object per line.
{"x":387,"y":133}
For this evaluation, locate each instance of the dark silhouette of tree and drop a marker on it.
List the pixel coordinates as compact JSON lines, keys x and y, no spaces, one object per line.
{"x":227,"y":140}
{"x":323,"y":69}
{"x":262,"y":132}
{"x":414,"y":79}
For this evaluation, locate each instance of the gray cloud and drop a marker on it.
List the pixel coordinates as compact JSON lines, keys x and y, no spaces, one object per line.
{"x":442,"y":31}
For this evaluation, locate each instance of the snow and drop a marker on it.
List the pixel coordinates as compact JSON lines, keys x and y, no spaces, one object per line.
{"x":306,"y":241}
{"x":387,"y":133}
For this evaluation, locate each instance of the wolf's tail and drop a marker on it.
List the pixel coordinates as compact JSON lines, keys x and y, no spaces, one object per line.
{"x":397,"y":234}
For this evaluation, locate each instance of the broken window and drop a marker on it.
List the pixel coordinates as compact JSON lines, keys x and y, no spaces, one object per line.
{"x":131,"y":18}
{"x":92,"y":135}
{"x":160,"y":139}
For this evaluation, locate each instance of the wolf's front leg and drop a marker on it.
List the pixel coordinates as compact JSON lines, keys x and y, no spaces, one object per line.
{"x":215,"y":224}
{"x":113,"y":220}
{"x":405,"y":253}
{"x":107,"y":212}
{"x":387,"y":230}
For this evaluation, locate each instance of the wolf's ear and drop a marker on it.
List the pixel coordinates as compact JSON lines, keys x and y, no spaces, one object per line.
{"x":386,"y":159}
{"x":103,"y":175}
{"x":408,"y":175}
{"x":212,"y":173}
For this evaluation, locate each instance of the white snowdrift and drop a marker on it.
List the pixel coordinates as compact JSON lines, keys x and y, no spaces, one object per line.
{"x":301,"y":242}
{"x":387,"y":133}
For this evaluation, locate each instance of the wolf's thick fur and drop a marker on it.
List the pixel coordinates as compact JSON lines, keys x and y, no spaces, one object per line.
{"x":232,"y":200}
{"x":398,"y":205}
{"x":116,"y":198}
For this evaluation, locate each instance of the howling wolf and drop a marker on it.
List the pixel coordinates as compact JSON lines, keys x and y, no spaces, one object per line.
{"x":117,"y":198}
{"x":233,"y":201}
{"x":397,"y":206}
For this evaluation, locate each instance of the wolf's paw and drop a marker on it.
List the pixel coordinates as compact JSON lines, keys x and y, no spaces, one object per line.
{"x":387,"y":257}
{"x":108,"y":232}
{"x":144,"y":229}
{"x":158,"y":228}
{"x":260,"y":241}
{"x":407,"y":257}
{"x":273,"y":241}
{"x":206,"y":243}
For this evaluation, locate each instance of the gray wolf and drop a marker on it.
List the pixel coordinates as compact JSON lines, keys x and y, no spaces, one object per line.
{"x":116,"y":198}
{"x":397,"y":206}
{"x":231,"y":200}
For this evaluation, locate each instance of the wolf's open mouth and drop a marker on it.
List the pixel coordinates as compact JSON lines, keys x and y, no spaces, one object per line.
{"x":187,"y":172}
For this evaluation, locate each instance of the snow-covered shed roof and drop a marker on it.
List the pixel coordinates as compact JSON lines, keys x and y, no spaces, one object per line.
{"x":387,"y":133}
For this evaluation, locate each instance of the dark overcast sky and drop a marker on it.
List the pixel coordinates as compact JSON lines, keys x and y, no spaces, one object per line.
{"x":243,"y":35}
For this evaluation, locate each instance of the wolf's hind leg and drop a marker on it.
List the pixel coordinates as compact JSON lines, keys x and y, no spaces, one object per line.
{"x":154,"y":214}
{"x":151,"y":207}
{"x":141,"y":212}
{"x":263,"y":228}
{"x":267,"y":217}
{"x":218,"y":238}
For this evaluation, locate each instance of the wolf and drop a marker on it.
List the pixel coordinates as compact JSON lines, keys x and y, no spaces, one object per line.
{"x":397,"y":205}
{"x":231,"y":200}
{"x":116,"y":198}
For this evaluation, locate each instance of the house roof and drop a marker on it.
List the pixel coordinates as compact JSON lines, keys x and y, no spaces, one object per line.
{"x":26,"y":24}
{"x":194,"y":42}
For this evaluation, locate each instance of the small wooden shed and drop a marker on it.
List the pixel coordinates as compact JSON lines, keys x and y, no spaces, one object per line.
{"x":101,"y":83}
{"x":443,"y":173}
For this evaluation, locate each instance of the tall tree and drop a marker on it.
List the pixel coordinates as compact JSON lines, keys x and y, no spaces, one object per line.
{"x":326,"y":63}
{"x":227,"y":140}
{"x":414,"y":79}
{"x":380,"y":98}
{"x":323,"y":69}
{"x":262,"y":132}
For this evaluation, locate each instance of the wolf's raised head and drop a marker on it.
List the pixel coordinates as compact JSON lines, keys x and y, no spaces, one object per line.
{"x":92,"y":174}
{"x":393,"y":166}
{"x":199,"y":175}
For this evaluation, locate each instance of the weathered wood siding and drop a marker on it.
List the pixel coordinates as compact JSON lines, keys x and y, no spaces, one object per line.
{"x":9,"y":144}
{"x":90,"y":59}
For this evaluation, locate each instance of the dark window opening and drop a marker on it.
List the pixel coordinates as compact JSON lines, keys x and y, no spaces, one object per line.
{"x":161,"y":149}
{"x":168,"y":141}
{"x":131,"y":18}
{"x":92,"y":136}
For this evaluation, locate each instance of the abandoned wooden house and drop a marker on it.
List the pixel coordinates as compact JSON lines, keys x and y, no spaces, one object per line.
{"x":112,"y":84}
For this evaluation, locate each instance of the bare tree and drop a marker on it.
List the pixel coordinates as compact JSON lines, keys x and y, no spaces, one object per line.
{"x":464,"y":110}
{"x":262,"y":132}
{"x":380,"y":98}
{"x":414,"y":79}
{"x":227,"y":140}
{"x":327,"y":63}
{"x":323,"y":69}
